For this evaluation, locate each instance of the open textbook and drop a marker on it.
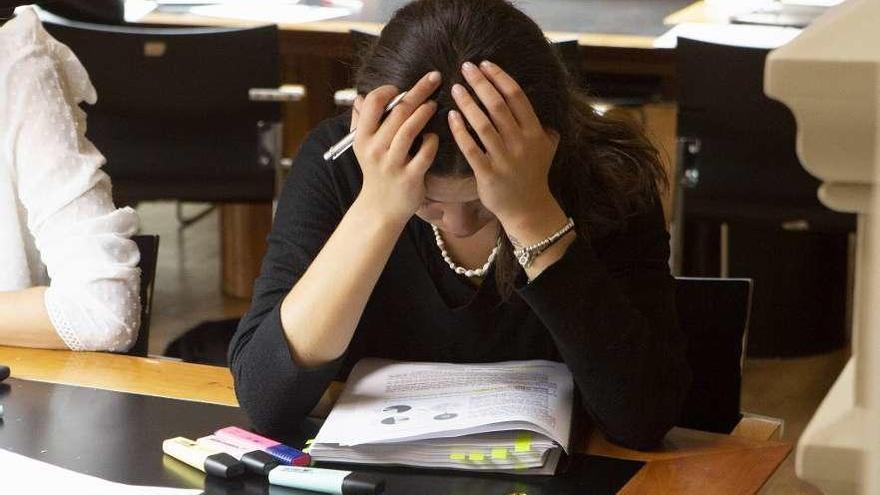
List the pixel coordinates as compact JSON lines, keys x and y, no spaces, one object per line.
{"x":512,"y":416}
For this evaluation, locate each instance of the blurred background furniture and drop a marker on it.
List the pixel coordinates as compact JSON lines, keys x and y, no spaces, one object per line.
{"x":176,"y":120}
{"x":750,"y":210}
{"x":615,"y":55}
{"x":148,"y":245}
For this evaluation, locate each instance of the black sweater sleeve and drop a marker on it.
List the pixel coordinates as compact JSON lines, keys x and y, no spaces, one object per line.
{"x":614,"y":323}
{"x":271,"y":388}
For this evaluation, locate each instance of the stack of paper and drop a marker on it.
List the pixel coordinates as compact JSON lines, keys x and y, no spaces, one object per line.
{"x":513,"y":416}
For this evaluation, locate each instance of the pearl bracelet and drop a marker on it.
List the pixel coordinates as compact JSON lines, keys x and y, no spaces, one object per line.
{"x":526,"y":255}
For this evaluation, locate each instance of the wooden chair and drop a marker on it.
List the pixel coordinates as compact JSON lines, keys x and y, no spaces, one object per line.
{"x":148,"y":245}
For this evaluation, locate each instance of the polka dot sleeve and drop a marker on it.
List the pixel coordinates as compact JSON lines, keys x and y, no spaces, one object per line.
{"x":83,"y":239}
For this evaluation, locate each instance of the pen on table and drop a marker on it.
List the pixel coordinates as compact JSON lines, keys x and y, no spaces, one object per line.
{"x":244,"y":439}
{"x":345,"y":143}
{"x":322,"y":480}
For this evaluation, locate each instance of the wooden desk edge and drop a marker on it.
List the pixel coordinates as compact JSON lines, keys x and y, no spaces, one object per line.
{"x":145,"y":376}
{"x":343,"y":27}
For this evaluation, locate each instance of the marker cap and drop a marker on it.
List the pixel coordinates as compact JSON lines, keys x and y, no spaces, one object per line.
{"x":223,"y":465}
{"x":289,"y":455}
{"x":259,"y":462}
{"x":362,"y":484}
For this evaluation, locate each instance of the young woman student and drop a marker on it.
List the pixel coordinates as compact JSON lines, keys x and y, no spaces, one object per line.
{"x":491,"y":216}
{"x":68,"y":270}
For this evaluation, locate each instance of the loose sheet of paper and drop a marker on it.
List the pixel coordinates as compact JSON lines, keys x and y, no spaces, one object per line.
{"x":20,"y":474}
{"x":387,"y":401}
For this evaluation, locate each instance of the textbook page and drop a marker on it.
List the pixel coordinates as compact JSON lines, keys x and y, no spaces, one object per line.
{"x":387,"y":401}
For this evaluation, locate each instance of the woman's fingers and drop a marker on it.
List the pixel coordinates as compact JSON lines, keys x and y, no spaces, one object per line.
{"x":418,"y":94}
{"x":410,"y":130}
{"x":370,"y":115}
{"x":516,"y":98}
{"x":478,"y":160}
{"x":479,"y":121}
{"x":492,"y":100}
{"x":427,"y":151}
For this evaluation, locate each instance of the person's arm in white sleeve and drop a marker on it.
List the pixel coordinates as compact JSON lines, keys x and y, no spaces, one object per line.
{"x":24,"y":321}
{"x":92,"y":302}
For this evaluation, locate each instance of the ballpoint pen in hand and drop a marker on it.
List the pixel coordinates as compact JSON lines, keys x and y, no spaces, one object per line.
{"x":345,"y":143}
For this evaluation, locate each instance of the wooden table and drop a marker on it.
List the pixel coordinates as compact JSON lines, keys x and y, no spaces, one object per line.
{"x":689,"y":462}
{"x":319,"y":56}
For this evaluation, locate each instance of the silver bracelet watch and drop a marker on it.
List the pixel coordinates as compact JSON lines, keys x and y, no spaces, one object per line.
{"x":526,"y":255}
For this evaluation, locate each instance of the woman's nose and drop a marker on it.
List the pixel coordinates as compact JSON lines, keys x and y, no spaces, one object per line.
{"x":460,"y":221}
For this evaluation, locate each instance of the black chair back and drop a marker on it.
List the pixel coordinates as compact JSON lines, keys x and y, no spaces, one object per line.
{"x":100,"y":11}
{"x":148,"y":245}
{"x":745,"y":166}
{"x":173,"y":115}
{"x":714,"y":315}
{"x":748,"y":207}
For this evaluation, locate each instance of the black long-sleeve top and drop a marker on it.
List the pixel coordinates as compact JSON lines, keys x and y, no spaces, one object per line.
{"x":606,"y":309}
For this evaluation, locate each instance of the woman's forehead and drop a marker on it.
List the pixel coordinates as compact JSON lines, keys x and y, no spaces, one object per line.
{"x":450,"y":189}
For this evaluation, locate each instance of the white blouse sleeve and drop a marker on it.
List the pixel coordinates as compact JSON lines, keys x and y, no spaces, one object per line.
{"x":93,"y":297}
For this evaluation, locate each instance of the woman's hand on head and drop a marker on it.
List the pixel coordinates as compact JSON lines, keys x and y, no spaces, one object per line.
{"x":394,"y":181}
{"x":512,"y":172}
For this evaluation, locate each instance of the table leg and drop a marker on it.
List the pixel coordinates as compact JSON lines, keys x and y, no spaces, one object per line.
{"x":243,"y":231}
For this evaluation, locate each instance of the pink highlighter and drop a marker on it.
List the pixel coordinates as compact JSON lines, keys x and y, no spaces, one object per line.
{"x":282,"y":453}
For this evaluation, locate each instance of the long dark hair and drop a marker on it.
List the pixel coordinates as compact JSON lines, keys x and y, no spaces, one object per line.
{"x":602,"y":162}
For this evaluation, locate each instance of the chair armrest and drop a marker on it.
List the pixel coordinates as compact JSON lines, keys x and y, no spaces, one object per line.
{"x":345,"y":97}
{"x":756,"y":427}
{"x":284,"y":93}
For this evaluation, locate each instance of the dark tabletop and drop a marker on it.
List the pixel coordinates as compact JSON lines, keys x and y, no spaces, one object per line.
{"x":118,"y":436}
